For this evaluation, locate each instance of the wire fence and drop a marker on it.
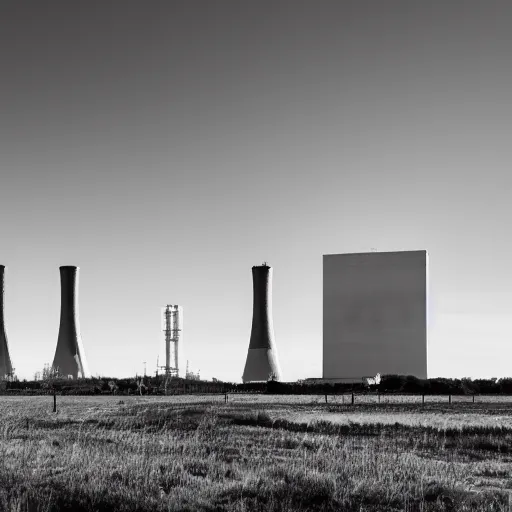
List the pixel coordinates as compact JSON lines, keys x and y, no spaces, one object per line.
{"x":367,"y":399}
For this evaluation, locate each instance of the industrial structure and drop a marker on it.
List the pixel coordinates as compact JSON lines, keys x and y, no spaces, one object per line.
{"x":6,"y":369}
{"x":69,"y":360}
{"x":191,"y":375}
{"x":262,"y":362}
{"x":172,"y":326}
{"x":375,"y":314}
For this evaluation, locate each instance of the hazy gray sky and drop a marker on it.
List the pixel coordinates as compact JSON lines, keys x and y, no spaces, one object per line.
{"x":166,"y":147}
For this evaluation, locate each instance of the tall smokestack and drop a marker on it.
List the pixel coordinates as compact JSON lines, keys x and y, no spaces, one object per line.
{"x":5,"y":359}
{"x":262,"y":361}
{"x":69,"y":356}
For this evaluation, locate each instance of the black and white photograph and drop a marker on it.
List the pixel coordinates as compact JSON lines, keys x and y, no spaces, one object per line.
{"x":255,"y":255}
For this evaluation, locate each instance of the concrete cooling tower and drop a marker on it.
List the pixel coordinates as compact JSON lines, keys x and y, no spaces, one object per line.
{"x":69,"y":357}
{"x":262,"y":360}
{"x":5,"y":359}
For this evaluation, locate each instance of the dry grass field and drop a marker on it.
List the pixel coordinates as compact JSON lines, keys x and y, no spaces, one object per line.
{"x":265,"y":453}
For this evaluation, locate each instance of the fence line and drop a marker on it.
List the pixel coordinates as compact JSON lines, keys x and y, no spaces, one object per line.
{"x":354,"y":399}
{"x":347,"y":398}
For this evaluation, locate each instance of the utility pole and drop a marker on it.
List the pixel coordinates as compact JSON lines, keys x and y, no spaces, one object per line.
{"x":144,"y":368}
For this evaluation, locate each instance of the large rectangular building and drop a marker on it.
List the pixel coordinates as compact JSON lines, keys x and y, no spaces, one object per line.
{"x":375,"y":314}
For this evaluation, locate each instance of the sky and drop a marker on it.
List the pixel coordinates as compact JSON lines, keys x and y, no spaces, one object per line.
{"x":166,"y":147}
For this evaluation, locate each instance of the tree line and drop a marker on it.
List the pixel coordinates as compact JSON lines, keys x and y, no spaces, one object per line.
{"x":389,"y":384}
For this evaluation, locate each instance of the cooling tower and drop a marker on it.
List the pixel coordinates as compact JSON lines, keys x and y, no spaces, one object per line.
{"x":69,"y":356}
{"x":5,"y":359}
{"x":262,"y":361}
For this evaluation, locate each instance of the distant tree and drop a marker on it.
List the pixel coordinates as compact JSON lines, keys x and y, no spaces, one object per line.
{"x":469,"y":387}
{"x":487,"y":386}
{"x":505,"y":386}
{"x":114,"y":388}
{"x":141,"y":386}
{"x":49,"y":378}
{"x":412,"y":384}
{"x":391,"y":383}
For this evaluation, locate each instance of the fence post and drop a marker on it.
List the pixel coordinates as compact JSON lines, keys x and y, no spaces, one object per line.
{"x":378,"y":397}
{"x":423,"y":399}
{"x":352,"y":398}
{"x":473,"y":398}
{"x":325,"y":397}
{"x":449,"y":399}
{"x":54,"y":402}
